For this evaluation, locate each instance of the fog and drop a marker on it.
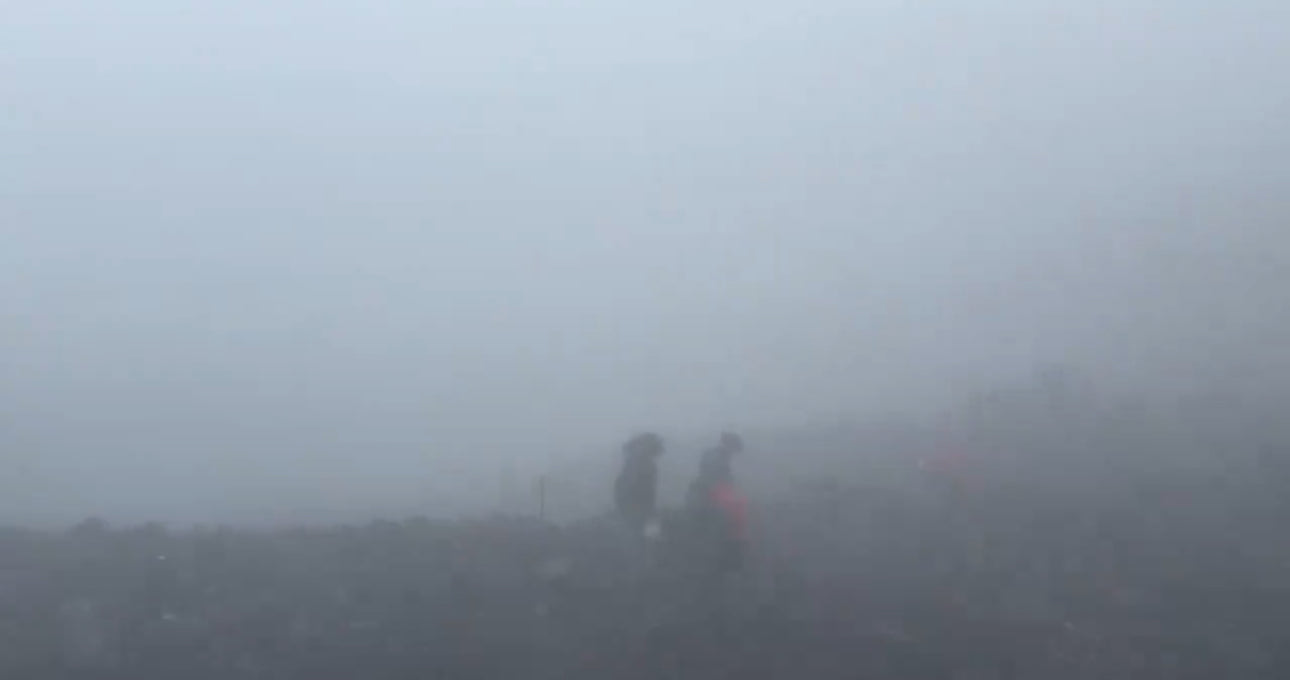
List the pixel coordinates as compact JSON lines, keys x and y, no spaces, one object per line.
{"x":280,"y":260}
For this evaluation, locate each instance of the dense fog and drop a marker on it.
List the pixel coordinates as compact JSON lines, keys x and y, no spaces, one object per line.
{"x":264,"y":260}
{"x":322,"y":324}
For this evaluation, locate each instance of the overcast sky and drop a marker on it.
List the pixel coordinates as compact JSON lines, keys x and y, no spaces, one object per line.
{"x":264,"y":257}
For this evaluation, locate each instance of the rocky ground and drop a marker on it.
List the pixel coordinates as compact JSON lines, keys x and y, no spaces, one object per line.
{"x":842,"y":584}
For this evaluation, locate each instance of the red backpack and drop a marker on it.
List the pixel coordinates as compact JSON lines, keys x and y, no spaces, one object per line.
{"x":733,"y":506}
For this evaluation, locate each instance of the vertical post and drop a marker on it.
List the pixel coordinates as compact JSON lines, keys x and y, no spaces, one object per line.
{"x":542,"y":497}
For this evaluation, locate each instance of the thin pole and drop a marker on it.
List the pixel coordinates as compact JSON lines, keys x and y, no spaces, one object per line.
{"x":542,"y":498}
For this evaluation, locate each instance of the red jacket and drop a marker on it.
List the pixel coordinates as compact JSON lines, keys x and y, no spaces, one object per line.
{"x":733,"y":507}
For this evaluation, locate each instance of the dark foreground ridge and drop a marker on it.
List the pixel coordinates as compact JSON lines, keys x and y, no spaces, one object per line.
{"x":873,"y":585}
{"x":1045,"y":539}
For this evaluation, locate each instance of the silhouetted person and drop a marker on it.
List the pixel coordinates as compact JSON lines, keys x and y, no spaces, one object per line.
{"x":717,"y":508}
{"x":636,"y":489}
{"x":714,"y":467}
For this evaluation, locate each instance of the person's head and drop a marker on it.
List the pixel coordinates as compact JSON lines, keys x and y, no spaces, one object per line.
{"x":646,"y":444}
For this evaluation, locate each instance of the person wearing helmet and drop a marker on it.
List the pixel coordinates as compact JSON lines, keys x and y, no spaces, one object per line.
{"x":636,"y":489}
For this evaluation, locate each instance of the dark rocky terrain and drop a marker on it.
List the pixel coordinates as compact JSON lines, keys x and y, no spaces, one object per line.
{"x":1084,"y":545}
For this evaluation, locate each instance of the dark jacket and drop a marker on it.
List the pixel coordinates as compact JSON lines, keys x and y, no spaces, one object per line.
{"x":636,"y":489}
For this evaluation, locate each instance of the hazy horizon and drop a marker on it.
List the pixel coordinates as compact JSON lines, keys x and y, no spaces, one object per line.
{"x":287,"y":257}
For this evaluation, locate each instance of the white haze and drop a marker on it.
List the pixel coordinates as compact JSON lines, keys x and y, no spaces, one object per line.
{"x":292,"y":259}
